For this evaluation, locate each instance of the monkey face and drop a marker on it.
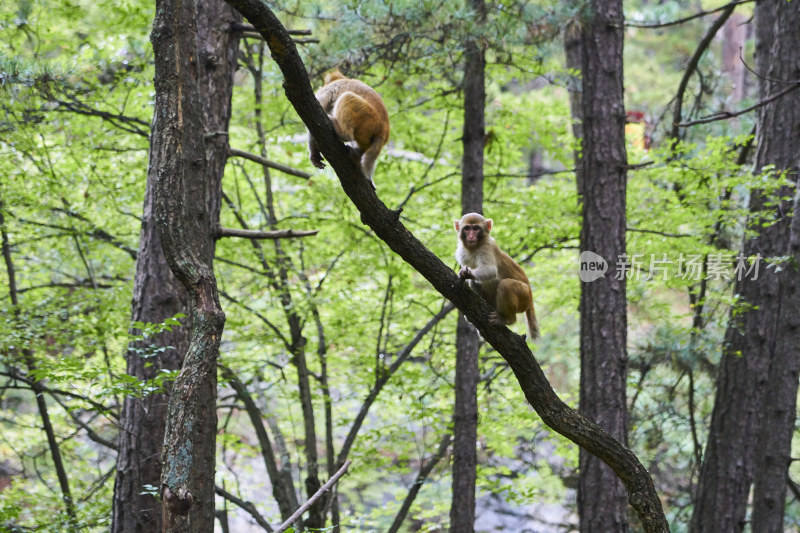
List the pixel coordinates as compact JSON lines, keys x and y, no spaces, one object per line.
{"x":472,"y":229}
{"x":472,"y":234}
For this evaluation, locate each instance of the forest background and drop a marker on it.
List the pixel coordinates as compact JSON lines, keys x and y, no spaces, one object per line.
{"x":334,"y":348}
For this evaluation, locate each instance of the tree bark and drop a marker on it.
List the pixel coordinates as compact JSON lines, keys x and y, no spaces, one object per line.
{"x":740,"y":415}
{"x":603,"y":331}
{"x":780,"y":135}
{"x":157,"y":296}
{"x":195,"y":57}
{"x":465,"y":409}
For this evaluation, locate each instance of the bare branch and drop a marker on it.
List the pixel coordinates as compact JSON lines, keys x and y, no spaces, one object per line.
{"x":267,"y":163}
{"x":424,"y":472}
{"x":245,"y":506}
{"x":384,"y":378}
{"x":130,"y":124}
{"x":691,"y":67}
{"x":662,"y":233}
{"x":686,"y":19}
{"x":256,"y":234}
{"x":725,"y":115}
{"x":317,"y":495}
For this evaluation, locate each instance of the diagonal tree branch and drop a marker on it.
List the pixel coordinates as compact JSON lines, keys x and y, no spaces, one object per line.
{"x":245,"y":506}
{"x":691,"y":67}
{"x":424,"y":472}
{"x":316,"y":496}
{"x":386,"y":225}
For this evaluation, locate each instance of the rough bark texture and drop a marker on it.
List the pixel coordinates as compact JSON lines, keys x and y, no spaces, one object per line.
{"x":386,"y":225}
{"x":601,"y":496}
{"x":778,"y":139}
{"x":465,"y":410}
{"x":157,"y":295}
{"x":195,"y":56}
{"x":465,"y":428}
{"x":753,"y":341}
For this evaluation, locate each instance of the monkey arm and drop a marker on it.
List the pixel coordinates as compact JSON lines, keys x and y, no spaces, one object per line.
{"x":484,"y":272}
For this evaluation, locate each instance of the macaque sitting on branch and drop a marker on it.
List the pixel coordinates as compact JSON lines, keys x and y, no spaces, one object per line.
{"x":496,"y":277}
{"x":359,"y":118}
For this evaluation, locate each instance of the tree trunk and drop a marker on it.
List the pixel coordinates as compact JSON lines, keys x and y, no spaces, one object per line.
{"x":465,"y":410}
{"x":602,"y":500}
{"x":780,"y":135}
{"x":195,"y":57}
{"x":739,"y":416}
{"x":157,"y":295}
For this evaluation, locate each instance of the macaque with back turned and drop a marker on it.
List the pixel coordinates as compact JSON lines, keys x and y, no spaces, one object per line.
{"x":359,"y":117}
{"x":497,"y":277}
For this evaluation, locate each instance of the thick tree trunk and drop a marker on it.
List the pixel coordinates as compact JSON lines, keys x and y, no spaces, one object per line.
{"x":601,"y":497}
{"x":779,"y":136}
{"x":157,"y":295}
{"x":752,"y":343}
{"x":195,"y":56}
{"x":465,"y":410}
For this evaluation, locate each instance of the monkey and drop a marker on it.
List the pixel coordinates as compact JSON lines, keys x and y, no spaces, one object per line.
{"x":497,"y":277}
{"x":359,"y":117}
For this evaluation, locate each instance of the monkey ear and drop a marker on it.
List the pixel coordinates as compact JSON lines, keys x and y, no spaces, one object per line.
{"x":457,"y":224}
{"x":488,"y":224}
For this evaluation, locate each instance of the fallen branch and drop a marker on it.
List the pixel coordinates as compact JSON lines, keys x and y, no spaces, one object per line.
{"x":274,"y":234}
{"x":317,"y":495}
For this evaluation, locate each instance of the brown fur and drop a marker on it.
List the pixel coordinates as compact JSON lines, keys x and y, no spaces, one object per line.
{"x":500,"y":280}
{"x":359,"y":117}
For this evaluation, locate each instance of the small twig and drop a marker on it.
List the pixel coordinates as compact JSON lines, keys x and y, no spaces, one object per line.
{"x":661,"y":233}
{"x":256,"y":234}
{"x":724,"y":115}
{"x":267,"y":163}
{"x":245,"y":506}
{"x":317,"y":495}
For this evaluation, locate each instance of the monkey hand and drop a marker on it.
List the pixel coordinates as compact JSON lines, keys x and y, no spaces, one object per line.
{"x":466,"y":273}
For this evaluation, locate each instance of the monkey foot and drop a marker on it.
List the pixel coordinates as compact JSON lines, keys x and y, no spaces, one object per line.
{"x":316,"y":160}
{"x":497,"y":319}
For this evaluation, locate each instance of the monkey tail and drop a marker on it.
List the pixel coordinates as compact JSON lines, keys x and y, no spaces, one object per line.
{"x":533,"y":325}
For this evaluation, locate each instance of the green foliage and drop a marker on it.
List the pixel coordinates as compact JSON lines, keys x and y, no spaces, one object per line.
{"x":71,"y":200}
